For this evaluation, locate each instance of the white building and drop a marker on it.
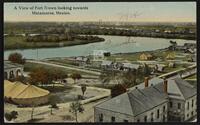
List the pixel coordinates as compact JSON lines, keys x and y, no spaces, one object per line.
{"x":98,"y":55}
{"x":152,"y":101}
{"x":12,"y":70}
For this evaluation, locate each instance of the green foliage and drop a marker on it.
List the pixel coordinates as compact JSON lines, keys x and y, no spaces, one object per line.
{"x":75,"y":108}
{"x":16,"y":58}
{"x":117,"y":90}
{"x":11,"y":115}
{"x":83,"y":88}
{"x":76,"y":76}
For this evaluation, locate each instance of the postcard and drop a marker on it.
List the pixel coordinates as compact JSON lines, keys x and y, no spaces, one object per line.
{"x":82,"y":62}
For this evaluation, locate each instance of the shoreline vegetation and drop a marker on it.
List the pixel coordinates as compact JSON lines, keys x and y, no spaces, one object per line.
{"x":51,"y":34}
{"x":21,"y":42}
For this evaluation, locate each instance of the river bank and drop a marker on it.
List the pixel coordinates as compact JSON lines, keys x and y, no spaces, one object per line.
{"x":19,"y":42}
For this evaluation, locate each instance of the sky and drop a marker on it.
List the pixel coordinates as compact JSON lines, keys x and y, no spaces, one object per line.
{"x":116,"y":11}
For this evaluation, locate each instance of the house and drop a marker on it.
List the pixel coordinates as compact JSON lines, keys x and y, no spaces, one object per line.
{"x":171,"y":65}
{"x":130,"y":66}
{"x":107,"y":65}
{"x":146,"y":56}
{"x":100,"y":54}
{"x":192,"y":58}
{"x":160,"y":67}
{"x":12,"y":70}
{"x":82,"y":60}
{"x":191,"y":51}
{"x":170,"y":56}
{"x":154,"y":100}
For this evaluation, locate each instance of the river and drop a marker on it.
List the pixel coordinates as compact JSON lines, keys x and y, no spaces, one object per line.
{"x":113,"y":44}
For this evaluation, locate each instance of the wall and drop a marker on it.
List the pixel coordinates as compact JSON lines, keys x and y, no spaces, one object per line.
{"x":188,"y":113}
{"x":154,"y":111}
{"x":175,"y":113}
{"x":108,"y":114}
{"x":121,"y":117}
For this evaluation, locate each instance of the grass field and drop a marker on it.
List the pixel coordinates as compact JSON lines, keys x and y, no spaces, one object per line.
{"x":29,"y":66}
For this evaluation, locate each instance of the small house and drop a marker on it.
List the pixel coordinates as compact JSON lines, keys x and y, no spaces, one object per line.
{"x":107,"y":64}
{"x":130,"y":66}
{"x":82,"y":60}
{"x":192,"y":58}
{"x":170,"y":56}
{"x":171,"y":65}
{"x":160,"y":67}
{"x":146,"y":56}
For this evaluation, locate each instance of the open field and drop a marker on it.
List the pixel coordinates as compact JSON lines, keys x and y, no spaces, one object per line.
{"x":29,"y":66}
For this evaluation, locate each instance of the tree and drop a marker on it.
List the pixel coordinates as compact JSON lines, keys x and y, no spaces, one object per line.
{"x":39,"y":75}
{"x":32,"y":111}
{"x":11,"y":115}
{"x":21,"y":79}
{"x":146,"y":70}
{"x":16,"y":58}
{"x":129,"y":78}
{"x":83,"y":88}
{"x":107,"y":76}
{"x":118,"y":89}
{"x":53,"y":103}
{"x":76,"y":76}
{"x":76,"y":107}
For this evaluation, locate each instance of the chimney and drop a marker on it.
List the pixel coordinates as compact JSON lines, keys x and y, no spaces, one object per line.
{"x":165,"y":86}
{"x":146,"y":82}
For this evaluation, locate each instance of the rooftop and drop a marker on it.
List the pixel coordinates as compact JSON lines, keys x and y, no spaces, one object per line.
{"x":140,"y":99}
{"x":10,"y":65}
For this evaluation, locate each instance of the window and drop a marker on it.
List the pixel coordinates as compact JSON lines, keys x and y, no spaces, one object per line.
{"x":170,"y":104}
{"x":192,"y":113}
{"x":152,"y":116}
{"x":163,"y":108}
{"x":145,"y":118}
{"x":112,"y":119}
{"x":192,"y":102}
{"x":125,"y":120}
{"x":188,"y":115}
{"x":100,"y":117}
{"x":158,"y":113}
{"x":138,"y":120}
{"x":179,"y":105}
{"x":188,"y":105}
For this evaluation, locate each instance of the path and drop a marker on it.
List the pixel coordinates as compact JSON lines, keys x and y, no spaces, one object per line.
{"x":66,"y":67}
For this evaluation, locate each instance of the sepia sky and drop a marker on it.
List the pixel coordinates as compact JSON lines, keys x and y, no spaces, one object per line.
{"x":118,"y":11}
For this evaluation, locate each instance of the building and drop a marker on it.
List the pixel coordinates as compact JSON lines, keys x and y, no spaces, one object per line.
{"x":192,"y":58}
{"x":22,"y":94}
{"x":170,"y":56}
{"x":12,"y":70}
{"x":160,"y":67}
{"x":130,"y":66}
{"x":146,"y":56}
{"x":98,"y":55}
{"x":82,"y":61}
{"x":107,"y":65}
{"x":155,"y":100}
